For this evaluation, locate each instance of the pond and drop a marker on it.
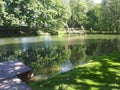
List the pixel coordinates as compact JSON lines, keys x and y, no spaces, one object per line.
{"x":51,"y":55}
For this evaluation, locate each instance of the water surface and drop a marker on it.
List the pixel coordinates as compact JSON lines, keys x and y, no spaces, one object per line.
{"x":50,"y":55}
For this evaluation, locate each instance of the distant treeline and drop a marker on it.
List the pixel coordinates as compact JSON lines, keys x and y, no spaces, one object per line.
{"x":27,"y":17}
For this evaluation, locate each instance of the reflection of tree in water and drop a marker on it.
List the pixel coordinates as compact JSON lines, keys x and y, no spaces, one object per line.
{"x":78,"y":54}
{"x":109,"y":46}
{"x":42,"y":58}
{"x":106,"y":46}
{"x":10,"y":55}
{"x":90,"y":50}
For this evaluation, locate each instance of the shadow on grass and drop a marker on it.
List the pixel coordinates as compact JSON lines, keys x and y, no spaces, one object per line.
{"x":100,"y":73}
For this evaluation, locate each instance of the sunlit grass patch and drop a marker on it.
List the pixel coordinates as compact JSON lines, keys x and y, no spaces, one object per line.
{"x":64,"y":87}
{"x":91,"y":64}
{"x":114,"y":63}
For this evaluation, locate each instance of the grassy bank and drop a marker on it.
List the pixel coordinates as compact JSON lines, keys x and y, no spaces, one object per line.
{"x":100,"y":73}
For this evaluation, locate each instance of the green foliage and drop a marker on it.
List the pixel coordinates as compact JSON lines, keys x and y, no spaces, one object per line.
{"x":100,"y":17}
{"x":51,"y":15}
{"x":2,"y":12}
{"x":110,"y":16}
{"x":54,"y":15}
{"x":93,"y":16}
{"x":21,"y":12}
{"x":79,"y":9}
{"x":46,"y":15}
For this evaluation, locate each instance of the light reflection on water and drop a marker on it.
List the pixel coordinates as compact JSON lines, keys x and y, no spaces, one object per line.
{"x":67,"y":66}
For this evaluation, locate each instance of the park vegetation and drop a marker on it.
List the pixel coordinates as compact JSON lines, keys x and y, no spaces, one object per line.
{"x":30,"y":17}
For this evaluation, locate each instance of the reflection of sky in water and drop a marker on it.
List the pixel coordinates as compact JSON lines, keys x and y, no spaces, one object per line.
{"x":25,"y":45}
{"x":67,"y":66}
{"x":47,"y":41}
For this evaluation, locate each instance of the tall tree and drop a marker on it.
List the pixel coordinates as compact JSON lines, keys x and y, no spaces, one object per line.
{"x":93,"y":16}
{"x":78,"y":9}
{"x":54,"y":14}
{"x":110,"y":16}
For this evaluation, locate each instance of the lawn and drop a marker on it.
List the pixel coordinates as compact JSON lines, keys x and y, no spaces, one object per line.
{"x":100,"y":73}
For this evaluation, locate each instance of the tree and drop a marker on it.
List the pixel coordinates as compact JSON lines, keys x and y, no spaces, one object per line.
{"x":93,"y":16}
{"x":110,"y":16}
{"x":53,"y":15}
{"x":78,"y":10}
{"x":45,"y":15}
{"x":19,"y":11}
{"x":2,"y":11}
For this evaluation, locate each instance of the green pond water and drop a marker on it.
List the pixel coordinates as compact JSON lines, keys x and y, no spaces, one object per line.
{"x":50,"y":55}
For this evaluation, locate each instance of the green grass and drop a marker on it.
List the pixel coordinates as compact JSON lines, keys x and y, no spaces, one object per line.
{"x":100,"y":73}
